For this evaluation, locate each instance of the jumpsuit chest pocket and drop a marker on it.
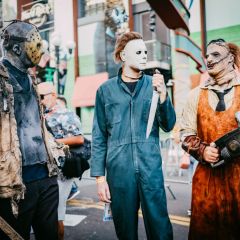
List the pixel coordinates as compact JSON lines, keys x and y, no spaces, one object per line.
{"x":146,"y":108}
{"x":113,"y":113}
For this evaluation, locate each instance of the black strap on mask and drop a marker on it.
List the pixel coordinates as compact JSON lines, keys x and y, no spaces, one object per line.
{"x":8,"y":38}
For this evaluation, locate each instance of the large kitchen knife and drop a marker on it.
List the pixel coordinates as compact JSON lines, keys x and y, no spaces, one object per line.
{"x":152,"y":111}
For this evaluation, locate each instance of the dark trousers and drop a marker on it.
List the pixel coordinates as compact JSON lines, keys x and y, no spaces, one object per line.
{"x":126,"y":200}
{"x":38,"y":209}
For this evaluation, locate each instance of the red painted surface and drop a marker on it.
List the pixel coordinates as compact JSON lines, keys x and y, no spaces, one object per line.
{"x":85,"y":89}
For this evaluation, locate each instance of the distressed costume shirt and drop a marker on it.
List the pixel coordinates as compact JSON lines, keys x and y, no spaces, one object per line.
{"x":26,"y":109}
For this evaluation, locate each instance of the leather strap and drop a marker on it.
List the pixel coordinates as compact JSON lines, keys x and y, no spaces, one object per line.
{"x":9,"y":231}
{"x":195,"y":147}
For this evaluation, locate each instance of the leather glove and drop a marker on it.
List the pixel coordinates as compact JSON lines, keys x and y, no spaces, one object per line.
{"x":195,"y":147}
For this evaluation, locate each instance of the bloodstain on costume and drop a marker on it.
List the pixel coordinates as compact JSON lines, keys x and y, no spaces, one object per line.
{"x":216,"y":191}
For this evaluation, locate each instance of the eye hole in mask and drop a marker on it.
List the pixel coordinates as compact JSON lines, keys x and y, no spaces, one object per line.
{"x":139,"y":52}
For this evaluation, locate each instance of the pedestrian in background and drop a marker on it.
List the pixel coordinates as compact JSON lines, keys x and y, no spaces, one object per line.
{"x":65,"y":126}
{"x":74,"y":190}
{"x":119,"y":146}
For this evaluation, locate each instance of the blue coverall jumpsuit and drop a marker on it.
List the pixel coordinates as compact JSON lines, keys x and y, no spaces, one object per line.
{"x":133,"y":163}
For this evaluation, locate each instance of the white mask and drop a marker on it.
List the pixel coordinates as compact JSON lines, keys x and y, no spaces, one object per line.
{"x":134,"y":54}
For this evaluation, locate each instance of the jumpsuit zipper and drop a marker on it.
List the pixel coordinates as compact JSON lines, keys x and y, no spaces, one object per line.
{"x":132,"y":137}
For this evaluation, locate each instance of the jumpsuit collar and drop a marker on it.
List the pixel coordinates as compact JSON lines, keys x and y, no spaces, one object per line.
{"x":124,"y":86}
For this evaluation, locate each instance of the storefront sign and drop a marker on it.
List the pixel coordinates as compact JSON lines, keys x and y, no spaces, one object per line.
{"x":37,"y":14}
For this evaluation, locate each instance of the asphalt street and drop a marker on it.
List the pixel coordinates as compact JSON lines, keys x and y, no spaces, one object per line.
{"x":85,"y":213}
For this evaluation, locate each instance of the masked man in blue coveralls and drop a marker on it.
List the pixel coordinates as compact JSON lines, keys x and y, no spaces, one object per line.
{"x":133,"y":163}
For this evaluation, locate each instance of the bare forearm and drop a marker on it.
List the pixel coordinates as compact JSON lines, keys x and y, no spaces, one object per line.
{"x":71,"y":141}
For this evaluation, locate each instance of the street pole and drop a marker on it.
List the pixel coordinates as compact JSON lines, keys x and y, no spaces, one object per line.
{"x":182,"y":81}
{"x":57,"y":53}
{"x":152,"y":28}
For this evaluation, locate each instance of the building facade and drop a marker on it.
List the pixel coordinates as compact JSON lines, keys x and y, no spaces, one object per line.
{"x":175,"y":32}
{"x":99,"y":24}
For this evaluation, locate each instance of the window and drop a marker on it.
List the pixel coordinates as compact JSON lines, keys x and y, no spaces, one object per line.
{"x":92,"y":48}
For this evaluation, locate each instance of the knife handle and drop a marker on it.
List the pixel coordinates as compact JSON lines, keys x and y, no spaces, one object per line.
{"x":156,"y":72}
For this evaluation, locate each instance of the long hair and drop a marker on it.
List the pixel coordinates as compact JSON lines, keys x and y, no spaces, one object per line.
{"x":234,"y":49}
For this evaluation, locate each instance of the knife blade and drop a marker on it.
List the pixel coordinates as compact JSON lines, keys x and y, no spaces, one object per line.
{"x":152,"y":112}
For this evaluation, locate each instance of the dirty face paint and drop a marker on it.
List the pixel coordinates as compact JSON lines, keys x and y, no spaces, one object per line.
{"x":219,"y":59}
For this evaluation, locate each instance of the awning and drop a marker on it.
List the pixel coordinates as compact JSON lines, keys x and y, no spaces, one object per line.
{"x":173,"y":13}
{"x":186,"y":45}
{"x":85,"y":89}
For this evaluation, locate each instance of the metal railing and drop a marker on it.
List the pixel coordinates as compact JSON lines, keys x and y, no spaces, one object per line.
{"x":172,"y":153}
{"x":182,"y":9}
{"x":186,"y":45}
